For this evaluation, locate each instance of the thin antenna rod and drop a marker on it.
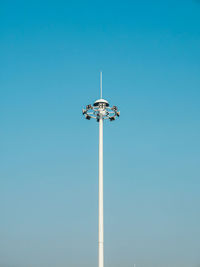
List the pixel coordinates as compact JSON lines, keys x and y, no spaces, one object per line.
{"x":101,"y":84}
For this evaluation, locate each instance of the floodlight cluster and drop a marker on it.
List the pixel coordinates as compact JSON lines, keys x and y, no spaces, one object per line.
{"x":101,"y":109}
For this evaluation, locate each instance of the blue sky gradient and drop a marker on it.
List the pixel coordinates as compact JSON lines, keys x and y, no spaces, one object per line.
{"x":51,"y":54}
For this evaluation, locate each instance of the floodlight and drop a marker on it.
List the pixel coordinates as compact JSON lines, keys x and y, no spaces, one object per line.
{"x":112,"y":118}
{"x":87,"y":117}
{"x":89,"y":107}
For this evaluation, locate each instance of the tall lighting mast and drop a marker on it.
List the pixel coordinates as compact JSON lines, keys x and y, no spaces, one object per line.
{"x":101,"y":111}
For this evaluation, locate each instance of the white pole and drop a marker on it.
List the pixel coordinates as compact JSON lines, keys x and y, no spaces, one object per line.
{"x":101,"y":230}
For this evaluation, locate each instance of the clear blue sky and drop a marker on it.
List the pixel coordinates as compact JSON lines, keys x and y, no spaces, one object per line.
{"x":51,"y":53}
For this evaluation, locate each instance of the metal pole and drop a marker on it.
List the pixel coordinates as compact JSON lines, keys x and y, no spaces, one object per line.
{"x":101,"y":110}
{"x":101,"y":230}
